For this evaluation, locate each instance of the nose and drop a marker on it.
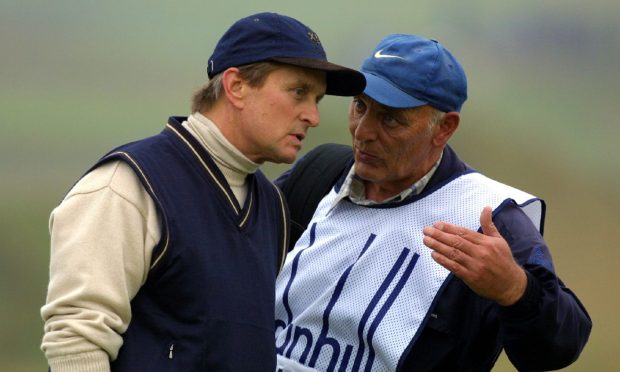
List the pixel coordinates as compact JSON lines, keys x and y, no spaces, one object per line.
{"x":364,"y":128}
{"x":311,"y":115}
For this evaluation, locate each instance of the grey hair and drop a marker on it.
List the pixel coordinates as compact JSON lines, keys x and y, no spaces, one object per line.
{"x":206,"y":96}
{"x":436,"y":117}
{"x":254,"y":74}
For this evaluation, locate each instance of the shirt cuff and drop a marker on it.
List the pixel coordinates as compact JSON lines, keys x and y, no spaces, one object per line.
{"x":92,"y":361}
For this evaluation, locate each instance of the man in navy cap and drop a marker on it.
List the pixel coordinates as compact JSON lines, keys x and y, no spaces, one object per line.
{"x":413,"y":260}
{"x":164,"y":254}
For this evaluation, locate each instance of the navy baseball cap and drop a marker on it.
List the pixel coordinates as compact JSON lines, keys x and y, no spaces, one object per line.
{"x":275,"y":37}
{"x":410,"y":71}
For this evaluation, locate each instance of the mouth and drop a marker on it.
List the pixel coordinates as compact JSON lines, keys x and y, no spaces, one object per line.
{"x":365,"y":156}
{"x":299,"y":136}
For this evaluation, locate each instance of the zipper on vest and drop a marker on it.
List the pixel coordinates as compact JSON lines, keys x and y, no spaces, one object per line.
{"x":171,"y":351}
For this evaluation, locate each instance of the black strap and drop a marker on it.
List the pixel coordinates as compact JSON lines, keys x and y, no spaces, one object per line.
{"x":312,"y":177}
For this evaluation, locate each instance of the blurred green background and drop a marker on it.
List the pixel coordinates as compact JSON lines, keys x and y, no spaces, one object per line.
{"x":79,"y":77}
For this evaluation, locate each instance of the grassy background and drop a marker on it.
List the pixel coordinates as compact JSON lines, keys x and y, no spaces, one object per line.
{"x":79,"y":77}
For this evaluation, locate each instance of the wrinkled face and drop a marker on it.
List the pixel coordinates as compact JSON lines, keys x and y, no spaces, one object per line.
{"x":277,"y":115}
{"x":392,"y":147}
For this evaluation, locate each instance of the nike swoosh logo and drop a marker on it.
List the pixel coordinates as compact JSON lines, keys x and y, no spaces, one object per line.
{"x":378,"y":54}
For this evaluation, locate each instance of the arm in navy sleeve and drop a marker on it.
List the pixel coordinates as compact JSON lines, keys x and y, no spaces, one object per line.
{"x":281,"y":180}
{"x":548,"y":327}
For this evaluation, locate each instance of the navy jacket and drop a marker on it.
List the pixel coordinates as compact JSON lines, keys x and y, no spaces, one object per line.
{"x":546,"y":329}
{"x":207,"y":304}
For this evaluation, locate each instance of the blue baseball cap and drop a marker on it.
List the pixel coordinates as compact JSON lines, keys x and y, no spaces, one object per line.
{"x":275,"y":37}
{"x":410,"y":71}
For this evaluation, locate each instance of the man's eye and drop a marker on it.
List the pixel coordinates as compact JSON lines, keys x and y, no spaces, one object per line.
{"x":390,"y":120}
{"x":358,"y":105}
{"x":299,"y":92}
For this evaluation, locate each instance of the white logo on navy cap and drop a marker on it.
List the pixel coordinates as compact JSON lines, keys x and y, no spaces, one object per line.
{"x":314,"y":37}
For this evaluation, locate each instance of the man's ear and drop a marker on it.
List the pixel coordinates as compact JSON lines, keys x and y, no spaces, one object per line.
{"x":446,"y":128}
{"x":234,"y":86}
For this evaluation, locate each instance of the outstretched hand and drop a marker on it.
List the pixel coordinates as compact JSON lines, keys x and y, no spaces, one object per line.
{"x":483,"y":261}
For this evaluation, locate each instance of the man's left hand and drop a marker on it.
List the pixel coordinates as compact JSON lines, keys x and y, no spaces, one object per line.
{"x":483,"y":261}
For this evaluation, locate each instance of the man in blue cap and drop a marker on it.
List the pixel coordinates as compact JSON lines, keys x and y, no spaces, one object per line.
{"x":164,"y":254}
{"x":413,"y":260}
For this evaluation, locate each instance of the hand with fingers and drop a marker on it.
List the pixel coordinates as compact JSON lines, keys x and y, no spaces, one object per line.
{"x":483,"y":261}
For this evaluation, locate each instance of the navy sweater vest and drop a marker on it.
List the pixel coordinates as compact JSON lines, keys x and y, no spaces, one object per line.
{"x":208,"y":302}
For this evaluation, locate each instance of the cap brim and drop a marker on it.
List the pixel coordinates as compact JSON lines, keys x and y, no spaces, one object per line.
{"x":340,"y":80}
{"x":388,"y":94}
